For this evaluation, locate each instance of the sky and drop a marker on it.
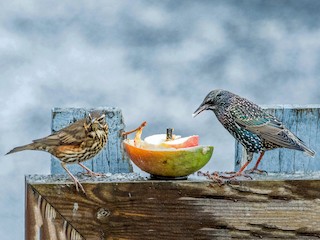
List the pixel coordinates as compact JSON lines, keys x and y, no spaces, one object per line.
{"x":155,"y":60}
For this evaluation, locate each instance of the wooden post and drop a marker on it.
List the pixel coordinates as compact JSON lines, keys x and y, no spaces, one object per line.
{"x":304,"y":122}
{"x":111,"y":158}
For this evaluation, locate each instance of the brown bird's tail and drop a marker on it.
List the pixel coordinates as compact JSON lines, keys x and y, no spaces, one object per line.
{"x":31,"y":146}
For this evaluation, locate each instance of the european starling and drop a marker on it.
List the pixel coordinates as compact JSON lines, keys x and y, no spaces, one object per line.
{"x":257,"y":130}
{"x":76,"y":143}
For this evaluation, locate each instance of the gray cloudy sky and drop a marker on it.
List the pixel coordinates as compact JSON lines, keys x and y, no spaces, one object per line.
{"x":156,"y":60}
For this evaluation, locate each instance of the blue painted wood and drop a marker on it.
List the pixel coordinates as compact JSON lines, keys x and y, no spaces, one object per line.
{"x":302,"y":121}
{"x":112,"y":158}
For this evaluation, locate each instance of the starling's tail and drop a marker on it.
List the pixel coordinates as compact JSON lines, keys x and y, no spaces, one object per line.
{"x":31,"y":146}
{"x":300,"y":145}
{"x":307,"y":150}
{"x":286,"y":139}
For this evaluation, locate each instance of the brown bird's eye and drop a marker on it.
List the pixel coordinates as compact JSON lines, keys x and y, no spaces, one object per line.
{"x":102,"y":119}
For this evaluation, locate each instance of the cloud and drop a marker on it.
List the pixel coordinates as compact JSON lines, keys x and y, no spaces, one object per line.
{"x":156,"y":60}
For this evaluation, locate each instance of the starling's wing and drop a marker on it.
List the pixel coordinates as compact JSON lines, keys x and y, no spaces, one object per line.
{"x":256,"y":120}
{"x":74,"y":134}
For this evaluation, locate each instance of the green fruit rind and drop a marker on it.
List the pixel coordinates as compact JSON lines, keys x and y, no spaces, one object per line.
{"x":169,"y":162}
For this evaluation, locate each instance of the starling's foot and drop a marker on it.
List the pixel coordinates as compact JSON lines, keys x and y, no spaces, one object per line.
{"x":233,"y":172}
{"x":256,"y":171}
{"x":215,"y":177}
{"x":235,"y":176}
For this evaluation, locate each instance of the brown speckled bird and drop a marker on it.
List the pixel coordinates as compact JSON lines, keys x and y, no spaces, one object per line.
{"x":76,"y":143}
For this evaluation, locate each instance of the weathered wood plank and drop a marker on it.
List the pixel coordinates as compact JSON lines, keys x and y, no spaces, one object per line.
{"x":43,"y":222}
{"x":269,"y":209}
{"x":111,"y":158}
{"x":302,"y":121}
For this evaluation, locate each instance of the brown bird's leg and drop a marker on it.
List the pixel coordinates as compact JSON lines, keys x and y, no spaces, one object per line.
{"x":89,"y":171}
{"x":76,"y":181}
{"x":255,"y":168}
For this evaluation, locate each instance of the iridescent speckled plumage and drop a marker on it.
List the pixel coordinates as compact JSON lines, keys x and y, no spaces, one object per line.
{"x":254,"y":128}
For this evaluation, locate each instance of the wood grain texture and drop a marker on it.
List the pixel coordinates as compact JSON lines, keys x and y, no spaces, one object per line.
{"x":43,"y":222}
{"x":302,"y":121}
{"x":268,"y":209}
{"x":111,"y":158}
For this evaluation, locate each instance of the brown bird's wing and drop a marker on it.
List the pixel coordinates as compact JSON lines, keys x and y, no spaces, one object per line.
{"x":74,"y":134}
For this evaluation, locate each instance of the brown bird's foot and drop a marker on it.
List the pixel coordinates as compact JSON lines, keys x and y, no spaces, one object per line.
{"x":76,"y":181}
{"x":256,"y":171}
{"x":90,"y":172}
{"x":93,"y":174}
{"x":78,"y":185}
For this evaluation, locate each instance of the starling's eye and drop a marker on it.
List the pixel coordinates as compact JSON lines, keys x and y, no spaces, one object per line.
{"x":218,"y":97}
{"x":209,"y":101}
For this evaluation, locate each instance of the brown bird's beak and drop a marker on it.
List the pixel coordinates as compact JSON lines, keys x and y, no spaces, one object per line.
{"x":200,"y":109}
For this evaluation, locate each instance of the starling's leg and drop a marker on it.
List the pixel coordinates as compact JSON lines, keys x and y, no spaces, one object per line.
{"x":240,"y":172}
{"x":91,"y":173}
{"x":76,"y":181}
{"x":255,"y":168}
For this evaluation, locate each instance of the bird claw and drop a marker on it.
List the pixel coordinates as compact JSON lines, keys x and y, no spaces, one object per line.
{"x":256,"y":171}
{"x":232,"y":172}
{"x":93,"y":174}
{"x":89,"y":171}
{"x":215,"y":177}
{"x":78,"y":184}
{"x":235,"y":176}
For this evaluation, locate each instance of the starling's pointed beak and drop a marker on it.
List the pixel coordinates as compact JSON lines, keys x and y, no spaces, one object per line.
{"x":200,"y":109}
